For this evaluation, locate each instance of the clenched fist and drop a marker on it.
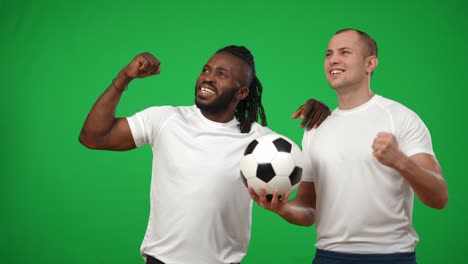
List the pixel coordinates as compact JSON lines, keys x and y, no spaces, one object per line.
{"x":386,"y":149}
{"x":143,"y":65}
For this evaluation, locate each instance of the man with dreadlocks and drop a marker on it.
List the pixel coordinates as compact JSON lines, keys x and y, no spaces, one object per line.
{"x":200,"y":211}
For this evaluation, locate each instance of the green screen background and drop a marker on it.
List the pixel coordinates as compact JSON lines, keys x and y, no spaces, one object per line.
{"x":64,"y":203}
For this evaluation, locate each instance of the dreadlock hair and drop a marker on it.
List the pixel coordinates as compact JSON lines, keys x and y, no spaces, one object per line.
{"x":249,"y":109}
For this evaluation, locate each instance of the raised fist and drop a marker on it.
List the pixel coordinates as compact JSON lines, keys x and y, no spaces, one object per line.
{"x":386,"y":149}
{"x":143,"y":65}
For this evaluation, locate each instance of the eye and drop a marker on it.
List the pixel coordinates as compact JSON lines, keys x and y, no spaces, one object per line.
{"x":222,"y":74}
{"x":327,"y":54}
{"x":205,"y":70}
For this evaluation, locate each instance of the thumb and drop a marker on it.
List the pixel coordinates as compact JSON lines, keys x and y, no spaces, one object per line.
{"x":298,"y":112}
{"x":157,"y":70}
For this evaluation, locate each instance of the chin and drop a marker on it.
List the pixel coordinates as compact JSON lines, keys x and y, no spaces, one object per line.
{"x":203,"y":106}
{"x":200,"y":105}
{"x":333,"y":85}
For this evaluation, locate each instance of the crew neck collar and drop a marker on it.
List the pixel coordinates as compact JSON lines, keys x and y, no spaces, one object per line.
{"x":229,"y":124}
{"x":339,"y":111}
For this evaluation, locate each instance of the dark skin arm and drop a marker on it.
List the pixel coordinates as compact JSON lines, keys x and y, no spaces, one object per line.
{"x":299,"y":211}
{"x":312,"y":113}
{"x":102,"y":130}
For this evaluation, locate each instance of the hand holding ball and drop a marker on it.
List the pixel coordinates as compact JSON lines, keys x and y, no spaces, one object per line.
{"x":272,"y":162}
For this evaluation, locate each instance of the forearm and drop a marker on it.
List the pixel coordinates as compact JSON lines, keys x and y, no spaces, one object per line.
{"x":297,"y":214}
{"x":101,"y":118}
{"x":427,"y":182}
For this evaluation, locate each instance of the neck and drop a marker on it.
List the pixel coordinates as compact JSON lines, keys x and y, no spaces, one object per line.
{"x":221,"y":116}
{"x":217,"y":117}
{"x":352,"y":97}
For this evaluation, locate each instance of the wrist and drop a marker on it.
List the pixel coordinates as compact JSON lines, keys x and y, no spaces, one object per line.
{"x":403,"y":164}
{"x":281,"y":210}
{"x":121,"y":82}
{"x":123,"y":78}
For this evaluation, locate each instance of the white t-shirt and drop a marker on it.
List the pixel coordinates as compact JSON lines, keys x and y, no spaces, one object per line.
{"x":200,"y":209}
{"x":362,"y":205}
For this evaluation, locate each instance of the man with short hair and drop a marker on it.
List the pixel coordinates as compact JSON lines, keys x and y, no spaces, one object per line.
{"x":362,"y":167}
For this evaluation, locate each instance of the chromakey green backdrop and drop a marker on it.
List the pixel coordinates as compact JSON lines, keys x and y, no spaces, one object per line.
{"x":63,"y":203}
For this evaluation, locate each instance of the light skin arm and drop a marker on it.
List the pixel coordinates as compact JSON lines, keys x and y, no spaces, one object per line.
{"x":299,"y":211}
{"x":422,"y":171}
{"x":102,"y":130}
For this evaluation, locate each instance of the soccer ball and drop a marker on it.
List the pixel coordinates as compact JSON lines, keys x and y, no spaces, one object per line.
{"x":272,"y":162}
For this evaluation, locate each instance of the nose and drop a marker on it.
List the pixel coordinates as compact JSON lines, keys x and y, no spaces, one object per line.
{"x":209,"y":77}
{"x":332,"y":59}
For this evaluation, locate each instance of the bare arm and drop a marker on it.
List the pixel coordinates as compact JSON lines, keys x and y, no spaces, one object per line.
{"x":312,"y":113}
{"x":299,"y":211}
{"x":102,"y":130}
{"x":421,"y":171}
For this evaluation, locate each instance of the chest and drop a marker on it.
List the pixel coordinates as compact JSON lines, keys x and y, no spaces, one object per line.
{"x":349,"y":138}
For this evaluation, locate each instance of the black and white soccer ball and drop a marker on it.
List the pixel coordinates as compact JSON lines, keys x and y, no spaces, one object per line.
{"x":272,"y":162}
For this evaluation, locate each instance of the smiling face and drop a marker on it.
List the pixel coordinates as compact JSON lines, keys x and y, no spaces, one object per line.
{"x":348,"y":62}
{"x":221,"y":85}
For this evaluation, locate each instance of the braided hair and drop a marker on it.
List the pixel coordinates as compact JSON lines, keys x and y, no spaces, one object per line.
{"x":249,"y":109}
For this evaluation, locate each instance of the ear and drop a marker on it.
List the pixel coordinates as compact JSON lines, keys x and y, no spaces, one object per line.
{"x":371,"y":64}
{"x":242,"y":93}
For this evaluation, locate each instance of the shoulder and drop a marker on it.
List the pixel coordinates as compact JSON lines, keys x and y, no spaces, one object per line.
{"x":156,"y":116}
{"x":261,"y":130}
{"x":403,"y":118}
{"x":394,"y":107}
{"x":167,"y":111}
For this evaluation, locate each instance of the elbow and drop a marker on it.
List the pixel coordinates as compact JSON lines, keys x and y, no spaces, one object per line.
{"x":306,"y":219}
{"x":442,"y":203}
{"x":86,"y":141}
{"x":303,"y":222}
{"x":295,"y":222}
{"x":308,"y":223}
{"x":439,"y":203}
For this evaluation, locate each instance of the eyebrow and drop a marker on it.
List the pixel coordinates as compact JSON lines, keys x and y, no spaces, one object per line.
{"x":216,"y":68}
{"x":340,"y":49}
{"x":220,"y":68}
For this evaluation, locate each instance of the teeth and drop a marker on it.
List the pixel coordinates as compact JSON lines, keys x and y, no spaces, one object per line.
{"x":206,"y":90}
{"x":336,"y":71}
